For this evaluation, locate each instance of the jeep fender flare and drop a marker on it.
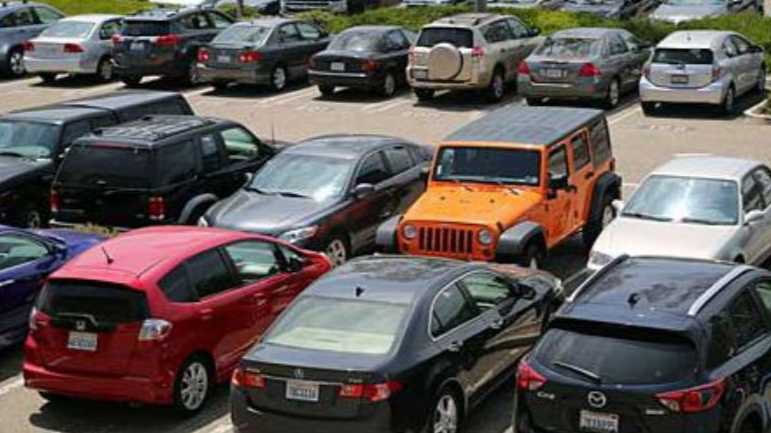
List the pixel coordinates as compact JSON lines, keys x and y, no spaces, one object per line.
{"x":385,"y":237}
{"x":608,"y":183}
{"x":193,"y":204}
{"x":514,"y":240}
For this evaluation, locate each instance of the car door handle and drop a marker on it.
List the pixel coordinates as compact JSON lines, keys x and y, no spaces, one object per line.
{"x":206,"y":314}
{"x":455,"y":347}
{"x":6,"y":283}
{"x":496,"y":324}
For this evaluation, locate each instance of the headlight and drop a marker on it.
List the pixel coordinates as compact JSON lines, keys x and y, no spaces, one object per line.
{"x":297,"y":235}
{"x":485,"y":237}
{"x":409,"y":231}
{"x":598,"y":259}
{"x":202,"y":222}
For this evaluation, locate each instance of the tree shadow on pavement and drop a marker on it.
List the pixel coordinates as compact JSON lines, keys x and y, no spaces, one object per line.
{"x":11,"y":359}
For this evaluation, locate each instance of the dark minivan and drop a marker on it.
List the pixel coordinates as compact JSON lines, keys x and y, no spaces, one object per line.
{"x":156,"y":170}
{"x":651,"y":344}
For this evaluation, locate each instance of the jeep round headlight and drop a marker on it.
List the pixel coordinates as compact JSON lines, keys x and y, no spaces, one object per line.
{"x":485,"y":237}
{"x":409,"y":231}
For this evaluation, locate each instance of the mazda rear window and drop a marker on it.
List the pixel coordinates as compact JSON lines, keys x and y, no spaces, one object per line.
{"x":106,"y":166}
{"x":683,"y":56}
{"x":659,"y":357}
{"x":461,"y":38}
{"x":105,"y":302}
{"x":145,"y":28}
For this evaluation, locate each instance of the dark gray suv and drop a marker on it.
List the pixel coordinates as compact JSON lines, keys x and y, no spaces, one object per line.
{"x":20,"y":22}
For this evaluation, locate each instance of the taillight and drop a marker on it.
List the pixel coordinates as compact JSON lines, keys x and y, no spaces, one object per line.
{"x":477,"y":52}
{"x":696,"y":399}
{"x":154,"y":330}
{"x":167,"y":40}
{"x":716,"y":73}
{"x":250,"y":57}
{"x":55,"y":201}
{"x":156,"y":208}
{"x":117,"y":39}
{"x":369,"y":65}
{"x":29,"y":46}
{"x":523,"y":68}
{"x":372,"y":392}
{"x":203,"y":55}
{"x":589,"y":70}
{"x":527,"y":378}
{"x":247,"y":379}
{"x":73,"y":48}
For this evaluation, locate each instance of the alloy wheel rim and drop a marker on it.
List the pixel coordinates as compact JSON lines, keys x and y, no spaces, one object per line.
{"x":390,"y":85}
{"x":498,"y":86}
{"x":17,"y":63}
{"x":106,"y":70}
{"x":607,"y":216}
{"x":729,"y":100}
{"x":614,"y":93}
{"x":446,"y":415}
{"x":279,"y":78}
{"x":336,"y":252}
{"x":195,"y":385}
{"x":34,"y":220}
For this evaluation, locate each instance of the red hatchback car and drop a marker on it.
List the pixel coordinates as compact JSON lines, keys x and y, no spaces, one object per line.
{"x":158,"y":315}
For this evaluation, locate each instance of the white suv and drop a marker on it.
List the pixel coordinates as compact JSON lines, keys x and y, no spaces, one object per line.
{"x":470,"y":52}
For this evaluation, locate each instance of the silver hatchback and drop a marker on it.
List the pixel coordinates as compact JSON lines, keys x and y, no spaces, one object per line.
{"x":706,"y":67}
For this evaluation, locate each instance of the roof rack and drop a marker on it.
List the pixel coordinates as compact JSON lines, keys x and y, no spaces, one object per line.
{"x":719,"y":285}
{"x":153,"y":128}
{"x":595,"y":276}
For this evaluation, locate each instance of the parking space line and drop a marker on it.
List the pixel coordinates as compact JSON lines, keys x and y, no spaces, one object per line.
{"x":280,"y":99}
{"x":632,"y":110}
{"x":387,"y":107}
{"x":11,"y":385}
{"x":18,"y":82}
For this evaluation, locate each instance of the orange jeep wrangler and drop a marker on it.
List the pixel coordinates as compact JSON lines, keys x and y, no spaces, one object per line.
{"x":510,"y":186}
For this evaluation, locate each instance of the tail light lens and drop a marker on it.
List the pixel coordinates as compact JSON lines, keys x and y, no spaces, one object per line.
{"x":203,"y":55}
{"x":372,"y":392}
{"x":73,"y":48}
{"x":692,"y":400}
{"x":369,"y":65}
{"x":117,"y":39}
{"x":247,"y":379}
{"x":29,"y":46}
{"x":528,"y":379}
{"x":250,"y":57}
{"x":523,"y":68}
{"x":167,"y":40}
{"x":589,"y":70}
{"x":156,"y":208}
{"x":716,"y":73}
{"x":55,"y":201}
{"x":477,"y":52}
{"x":154,"y":330}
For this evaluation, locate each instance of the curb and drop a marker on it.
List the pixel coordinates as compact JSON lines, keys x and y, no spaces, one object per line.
{"x":754,"y":111}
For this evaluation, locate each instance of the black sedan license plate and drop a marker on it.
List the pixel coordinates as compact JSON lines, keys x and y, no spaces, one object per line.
{"x":596,"y":422}
{"x":302,"y":391}
{"x":679,"y":79}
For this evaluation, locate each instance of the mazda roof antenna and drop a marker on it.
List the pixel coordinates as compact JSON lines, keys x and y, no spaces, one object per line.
{"x":107,"y":256}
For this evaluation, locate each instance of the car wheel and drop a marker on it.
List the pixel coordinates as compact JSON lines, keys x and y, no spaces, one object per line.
{"x":192,"y":386}
{"x":16,"y":63}
{"x":193,"y":75}
{"x":760,"y":88}
{"x":648,"y":108}
{"x":533,"y":257}
{"x":596,"y":225}
{"x":131,"y":80}
{"x":748,"y":427}
{"x":337,"y":251}
{"x":729,"y":101}
{"x":534,"y":102}
{"x":31,"y":218}
{"x":497,"y":87}
{"x":47,"y":78}
{"x":424,"y":94}
{"x":53,"y":398}
{"x":614,"y":95}
{"x":445,"y":416}
{"x":326,"y":90}
{"x":105,"y":71}
{"x":388,"y":89}
{"x":278,"y":79}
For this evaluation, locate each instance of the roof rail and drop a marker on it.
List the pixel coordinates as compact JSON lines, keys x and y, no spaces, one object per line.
{"x":719,"y":285}
{"x":595,"y":276}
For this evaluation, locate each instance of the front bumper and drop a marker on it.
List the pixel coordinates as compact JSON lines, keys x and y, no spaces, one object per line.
{"x":710,"y":94}
{"x":209,"y":74}
{"x":75,"y":65}
{"x":344,"y":79}
{"x":583,"y":89}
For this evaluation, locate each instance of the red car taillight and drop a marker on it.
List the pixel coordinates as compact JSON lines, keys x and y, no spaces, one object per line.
{"x":55,"y":201}
{"x":29,"y":46}
{"x":369,"y":65}
{"x":250,"y":57}
{"x":167,"y":40}
{"x":203,"y":55}
{"x":716,"y":73}
{"x":156,"y":208}
{"x":523,"y":68}
{"x":372,"y":392}
{"x":589,"y":70}
{"x":692,"y":400}
{"x":477,"y":52}
{"x":154,"y":330}
{"x":73,"y":48}
{"x":247,"y":379}
{"x":529,"y":379}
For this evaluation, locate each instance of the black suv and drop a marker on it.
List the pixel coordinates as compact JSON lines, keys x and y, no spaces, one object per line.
{"x":157,"y":170}
{"x":165,"y":42}
{"x":33,"y":142}
{"x":652,"y":344}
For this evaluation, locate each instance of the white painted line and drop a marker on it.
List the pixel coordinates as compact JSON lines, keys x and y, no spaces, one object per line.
{"x":197,"y":92}
{"x":11,"y":385}
{"x":634,"y":109}
{"x":288,"y":96}
{"x":390,"y":106}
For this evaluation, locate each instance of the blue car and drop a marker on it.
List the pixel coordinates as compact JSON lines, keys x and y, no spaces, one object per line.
{"x":27,"y":257}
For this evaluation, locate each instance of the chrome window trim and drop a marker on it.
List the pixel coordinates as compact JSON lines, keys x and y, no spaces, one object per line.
{"x":716,"y":287}
{"x":444,"y":289}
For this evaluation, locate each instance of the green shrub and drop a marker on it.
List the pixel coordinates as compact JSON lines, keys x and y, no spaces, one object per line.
{"x":119,"y":7}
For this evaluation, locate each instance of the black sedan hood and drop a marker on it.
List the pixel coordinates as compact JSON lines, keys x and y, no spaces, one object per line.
{"x":15,"y":170}
{"x":261,"y":213}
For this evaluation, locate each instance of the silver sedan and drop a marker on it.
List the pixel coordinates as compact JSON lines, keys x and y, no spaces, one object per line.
{"x":75,"y":45}
{"x":585,"y":63}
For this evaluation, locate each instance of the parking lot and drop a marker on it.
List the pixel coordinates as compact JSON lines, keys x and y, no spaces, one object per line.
{"x":640,"y":144}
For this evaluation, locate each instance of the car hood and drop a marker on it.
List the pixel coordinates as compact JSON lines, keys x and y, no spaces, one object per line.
{"x":639,"y":237}
{"x":261,"y":213}
{"x":677,"y":14}
{"x":14,"y":170}
{"x":473,"y":205}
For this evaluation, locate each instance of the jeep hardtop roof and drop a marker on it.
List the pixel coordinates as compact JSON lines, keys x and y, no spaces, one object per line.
{"x":150,"y":131}
{"x":541,"y":126}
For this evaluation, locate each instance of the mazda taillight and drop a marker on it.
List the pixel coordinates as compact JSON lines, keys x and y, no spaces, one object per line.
{"x":73,"y":48}
{"x":156,"y":208}
{"x":29,"y":46}
{"x":589,"y":70}
{"x":247,"y":379}
{"x":523,"y":68}
{"x":697,"y":399}
{"x":154,"y":330}
{"x":250,"y":57}
{"x":203,"y":55}
{"x":369,"y":65}
{"x":372,"y":392}
{"x":55,"y":201}
{"x":529,"y":379}
{"x":170,"y":40}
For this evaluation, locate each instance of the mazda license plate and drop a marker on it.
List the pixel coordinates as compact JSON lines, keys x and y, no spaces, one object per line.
{"x":596,"y":422}
{"x":337,"y":66}
{"x":302,"y":391}
{"x":679,"y":79}
{"x":85,"y":341}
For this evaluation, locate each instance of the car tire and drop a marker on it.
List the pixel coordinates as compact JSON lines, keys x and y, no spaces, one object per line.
{"x":613,"y":95}
{"x":388,"y":88}
{"x":193,"y":77}
{"x":47,"y":78}
{"x":15,"y":62}
{"x":104,"y":71}
{"x":728,"y":105}
{"x":31,"y":217}
{"x":337,"y":250}
{"x":648,"y":108}
{"x":326,"y":90}
{"x":53,"y":398}
{"x":497,"y":87}
{"x":595,"y":225}
{"x":192,"y":386}
{"x":278,"y":79}
{"x":534,"y":102}
{"x":131,"y":80}
{"x":445,"y":414}
{"x":424,"y":94}
{"x":533,"y":258}
{"x":760,"y":87}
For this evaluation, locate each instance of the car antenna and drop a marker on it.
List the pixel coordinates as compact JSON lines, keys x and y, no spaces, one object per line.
{"x":272,"y":132}
{"x":634,"y":298}
{"x":106,"y":255}
{"x":359,"y":291}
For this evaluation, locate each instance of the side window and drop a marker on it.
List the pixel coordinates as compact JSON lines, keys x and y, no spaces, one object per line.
{"x":487,"y":290}
{"x":763,"y":177}
{"x":75,"y":130}
{"x":308,"y":31}
{"x":631,"y":41}
{"x":108,"y":29}
{"x":177,"y":163}
{"x":8,"y":21}
{"x":396,"y":41}
{"x":729,"y":48}
{"x":617,"y":45}
{"x":208,"y":274}
{"x":176,"y":286}
{"x":17,"y":250}
{"x":372,"y":170}
{"x":210,"y":154}
{"x":600,"y":142}
{"x":742,"y":46}
{"x":497,"y":32}
{"x":290,"y":254}
{"x":46,"y":15}
{"x":752,"y":199}
{"x":399,"y":159}
{"x":580,"y":151}
{"x":219,"y":21}
{"x":558,"y":164}
{"x":763,"y":289}
{"x":450,"y":310}
{"x":24,"y":17}
{"x":289,"y":33}
{"x":518,"y":29}
{"x":194,"y":21}
{"x":746,"y":319}
{"x":722,"y":344}
{"x":253,"y":260}
{"x":240,"y":145}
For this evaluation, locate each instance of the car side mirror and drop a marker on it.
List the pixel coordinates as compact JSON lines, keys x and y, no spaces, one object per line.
{"x":754,"y":216}
{"x":618,"y":205}
{"x":294,"y":265}
{"x":535,"y":31}
{"x":363,"y":189}
{"x":558,"y":182}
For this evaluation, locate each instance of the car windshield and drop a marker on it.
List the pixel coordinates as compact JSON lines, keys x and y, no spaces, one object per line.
{"x":339,"y":325}
{"x":683,"y":56}
{"x":242,"y":33}
{"x":357,"y":40}
{"x":310,"y":176}
{"x":489,"y":165}
{"x":695,"y":2}
{"x":461,"y":38}
{"x":68,"y":29}
{"x":106,"y":166}
{"x":570,"y":47}
{"x":685,"y":200}
{"x":27,"y":139}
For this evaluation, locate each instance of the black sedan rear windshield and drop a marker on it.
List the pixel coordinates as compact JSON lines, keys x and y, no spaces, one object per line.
{"x":242,"y":33}
{"x":461,"y":38}
{"x":659,"y":357}
{"x":570,"y":47}
{"x":106,"y":166}
{"x":683,"y":56}
{"x":145,"y":28}
{"x":356,"y":40}
{"x":102,"y":301}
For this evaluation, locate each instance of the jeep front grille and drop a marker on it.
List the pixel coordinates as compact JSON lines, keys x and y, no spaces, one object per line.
{"x":446,"y":240}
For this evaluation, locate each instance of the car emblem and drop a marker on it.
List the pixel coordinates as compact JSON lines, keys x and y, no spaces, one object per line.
{"x":298,"y":373}
{"x":597,"y":399}
{"x":80,"y":325}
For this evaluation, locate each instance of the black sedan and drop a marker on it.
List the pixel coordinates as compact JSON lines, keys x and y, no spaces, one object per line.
{"x":366,"y":57}
{"x":266,"y":51}
{"x":391,"y":344}
{"x":328,"y":193}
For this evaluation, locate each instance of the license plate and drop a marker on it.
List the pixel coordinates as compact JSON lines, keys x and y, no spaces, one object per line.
{"x":420,"y":74}
{"x":679,"y":79}
{"x":554,"y":73}
{"x":302,"y":391}
{"x":337,"y":66}
{"x":596,"y":422}
{"x":137,"y":46}
{"x":223,"y":59}
{"x":82,"y":341}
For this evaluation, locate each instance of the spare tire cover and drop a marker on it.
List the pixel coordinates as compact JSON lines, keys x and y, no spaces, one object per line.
{"x":444,"y":62}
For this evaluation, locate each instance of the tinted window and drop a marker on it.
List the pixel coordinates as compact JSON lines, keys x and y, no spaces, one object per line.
{"x":144,"y":28}
{"x":399,"y":159}
{"x":208,"y":274}
{"x":497,"y":32}
{"x":240,"y":145}
{"x":752,"y":197}
{"x":487,"y":290}
{"x":396,"y":40}
{"x":617,"y":45}
{"x":580,"y":151}
{"x":106,"y":166}
{"x":722,"y":344}
{"x":210,"y":153}
{"x":763,"y":289}
{"x":308,"y":31}
{"x":487,"y":164}
{"x":37,"y":140}
{"x":461,"y":38}
{"x":558,"y":162}
{"x":176,"y":286}
{"x":680,"y":56}
{"x":658,"y":357}
{"x":372,"y":170}
{"x":600,"y":142}
{"x":176,"y":163}
{"x":355,"y":40}
{"x":219,"y":21}
{"x":566,"y":47}
{"x":746,"y":318}
{"x":289,"y":33}
{"x":46,"y":15}
{"x":450,"y":310}
{"x":17,"y":250}
{"x":763,"y":177}
{"x":253,"y":260}
{"x":105,"y":302}
{"x":24,"y":17}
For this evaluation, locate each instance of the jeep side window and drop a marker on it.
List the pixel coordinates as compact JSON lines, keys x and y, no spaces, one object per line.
{"x":240,"y":145}
{"x":752,"y":199}
{"x":558,"y":162}
{"x":580,"y":151}
{"x":210,"y":153}
{"x":372,"y":170}
{"x":599,"y":142}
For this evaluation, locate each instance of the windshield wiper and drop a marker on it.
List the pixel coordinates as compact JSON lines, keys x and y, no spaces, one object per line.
{"x":291,"y":194}
{"x":509,"y":188}
{"x":16,"y":154}
{"x":702,"y":221}
{"x":646,"y":216}
{"x":575,"y":369}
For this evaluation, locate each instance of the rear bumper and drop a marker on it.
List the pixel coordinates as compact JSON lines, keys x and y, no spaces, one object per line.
{"x":165,"y":69}
{"x":710,"y":94}
{"x":75,"y":65}
{"x":588,"y":90}
{"x":477,"y":81}
{"x":344,"y":79}
{"x":243,"y":76}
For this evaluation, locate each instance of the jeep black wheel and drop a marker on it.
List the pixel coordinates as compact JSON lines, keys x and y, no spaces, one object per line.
{"x":533,"y":258}
{"x":598,"y":222}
